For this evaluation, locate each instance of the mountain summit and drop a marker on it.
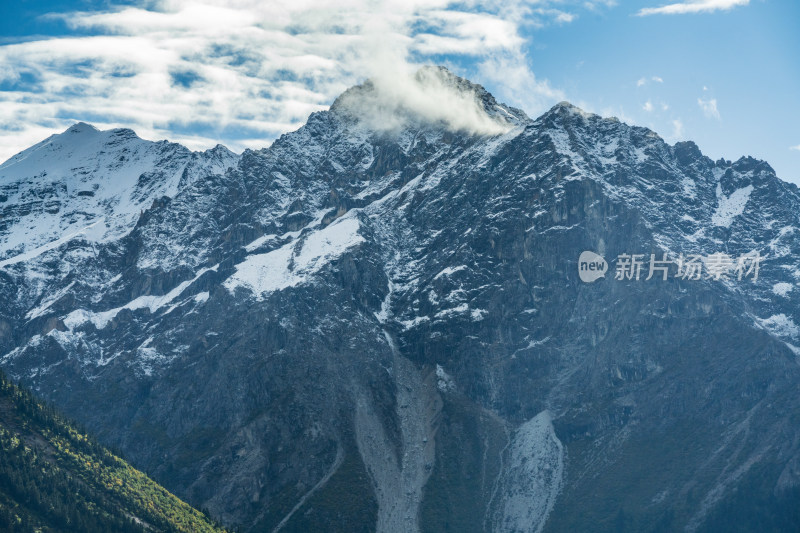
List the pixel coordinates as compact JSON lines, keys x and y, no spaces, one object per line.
{"x":433,"y":97}
{"x":369,"y":328}
{"x":90,"y":184}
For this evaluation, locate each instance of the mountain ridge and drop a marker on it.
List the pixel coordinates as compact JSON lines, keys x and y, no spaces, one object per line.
{"x":348,"y":312}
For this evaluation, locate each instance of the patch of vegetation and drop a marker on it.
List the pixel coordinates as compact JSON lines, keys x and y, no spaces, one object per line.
{"x":54,"y":477}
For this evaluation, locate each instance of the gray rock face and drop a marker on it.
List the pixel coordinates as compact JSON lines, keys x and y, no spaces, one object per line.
{"x":367,"y":330}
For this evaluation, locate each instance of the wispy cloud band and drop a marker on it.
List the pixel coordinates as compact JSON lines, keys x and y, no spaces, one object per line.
{"x":693,"y":6}
{"x":243,"y":71}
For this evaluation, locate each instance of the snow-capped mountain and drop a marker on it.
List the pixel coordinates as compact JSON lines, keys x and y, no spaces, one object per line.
{"x":369,"y":328}
{"x":89,"y":184}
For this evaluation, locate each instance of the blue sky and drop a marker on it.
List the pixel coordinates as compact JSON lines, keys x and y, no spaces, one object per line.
{"x":723,"y":73}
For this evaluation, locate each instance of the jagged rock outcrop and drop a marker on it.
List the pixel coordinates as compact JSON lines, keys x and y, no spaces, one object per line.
{"x":359,"y":328}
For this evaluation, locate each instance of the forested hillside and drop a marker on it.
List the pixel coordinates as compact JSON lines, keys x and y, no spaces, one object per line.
{"x":55,"y":478}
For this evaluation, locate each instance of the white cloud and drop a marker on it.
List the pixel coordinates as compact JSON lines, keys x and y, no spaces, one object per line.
{"x":241,"y":72}
{"x":648,"y":106}
{"x":562,"y":17}
{"x":643,"y":81}
{"x":520,"y":86}
{"x":565,"y":17}
{"x":677,"y":130}
{"x":617,"y":112}
{"x":427,"y":95}
{"x":709,"y":107}
{"x":693,"y":6}
{"x":595,"y":4}
{"x":795,"y":148}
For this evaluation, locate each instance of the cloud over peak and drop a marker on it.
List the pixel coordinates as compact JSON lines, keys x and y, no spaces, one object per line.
{"x":393,"y":100}
{"x":242,"y":72}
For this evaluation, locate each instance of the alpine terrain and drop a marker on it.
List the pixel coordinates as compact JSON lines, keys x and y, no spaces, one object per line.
{"x":378,"y":322}
{"x":55,"y":478}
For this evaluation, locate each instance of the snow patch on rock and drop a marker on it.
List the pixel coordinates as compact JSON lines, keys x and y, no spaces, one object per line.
{"x":780,"y":325}
{"x":444,"y":382}
{"x":782,"y":289}
{"x":532,"y":478}
{"x":295,"y":262}
{"x":153,"y":303}
{"x":730,"y":207}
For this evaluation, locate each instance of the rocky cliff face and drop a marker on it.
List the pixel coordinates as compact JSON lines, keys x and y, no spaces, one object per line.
{"x":361,"y":328}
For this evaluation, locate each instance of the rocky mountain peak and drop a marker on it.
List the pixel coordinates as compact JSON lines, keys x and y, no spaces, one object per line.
{"x":344,"y":328}
{"x":430,"y":97}
{"x":88,"y":184}
{"x":80,"y":127}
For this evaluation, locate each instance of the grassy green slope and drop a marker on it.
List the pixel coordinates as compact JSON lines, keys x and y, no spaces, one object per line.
{"x":55,"y":478}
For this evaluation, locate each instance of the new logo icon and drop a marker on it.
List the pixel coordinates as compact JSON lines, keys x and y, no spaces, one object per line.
{"x":591,"y":267}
